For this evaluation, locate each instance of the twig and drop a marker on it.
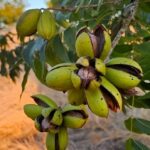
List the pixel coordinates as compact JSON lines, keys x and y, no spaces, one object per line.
{"x":116,"y":137}
{"x":71,"y":9}
{"x":128,"y":16}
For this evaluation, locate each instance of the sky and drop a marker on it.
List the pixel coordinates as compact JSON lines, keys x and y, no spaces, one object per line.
{"x":35,"y":4}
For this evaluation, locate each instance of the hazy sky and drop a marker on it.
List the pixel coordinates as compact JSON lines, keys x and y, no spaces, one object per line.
{"x":35,"y":4}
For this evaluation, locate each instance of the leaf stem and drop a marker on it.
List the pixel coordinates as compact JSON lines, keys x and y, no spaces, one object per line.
{"x":131,"y":127}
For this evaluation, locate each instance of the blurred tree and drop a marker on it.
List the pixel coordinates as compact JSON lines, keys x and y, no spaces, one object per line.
{"x":10,"y":58}
{"x":9,"y":11}
{"x":49,"y":3}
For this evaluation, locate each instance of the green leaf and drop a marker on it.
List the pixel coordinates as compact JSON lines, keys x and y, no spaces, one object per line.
{"x":147,"y":75}
{"x":122,"y":50}
{"x":145,"y":6}
{"x":34,"y":56}
{"x":67,"y":3}
{"x":141,"y":101}
{"x":145,"y":85}
{"x":56,"y":52}
{"x":76,"y":16}
{"x":138,"y":125}
{"x":103,"y":13}
{"x":80,"y":4}
{"x":25,"y":78}
{"x":69,"y":39}
{"x":39,"y":67}
{"x":142,"y":55}
{"x":31,"y":48}
{"x":143,"y":13}
{"x":61,"y":18}
{"x":132,"y":144}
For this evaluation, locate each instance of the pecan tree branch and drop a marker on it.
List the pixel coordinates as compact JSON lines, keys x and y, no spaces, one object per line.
{"x":71,"y":9}
{"x":128,"y":16}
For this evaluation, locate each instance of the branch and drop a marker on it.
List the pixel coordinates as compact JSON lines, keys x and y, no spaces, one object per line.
{"x":128,"y":16}
{"x":71,"y":9}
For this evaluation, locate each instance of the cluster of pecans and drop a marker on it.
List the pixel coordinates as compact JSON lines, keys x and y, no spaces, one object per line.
{"x":36,"y":21}
{"x":89,"y":81}
{"x":50,"y":118}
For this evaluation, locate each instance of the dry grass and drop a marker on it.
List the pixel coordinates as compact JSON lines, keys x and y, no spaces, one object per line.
{"x":16,"y":130}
